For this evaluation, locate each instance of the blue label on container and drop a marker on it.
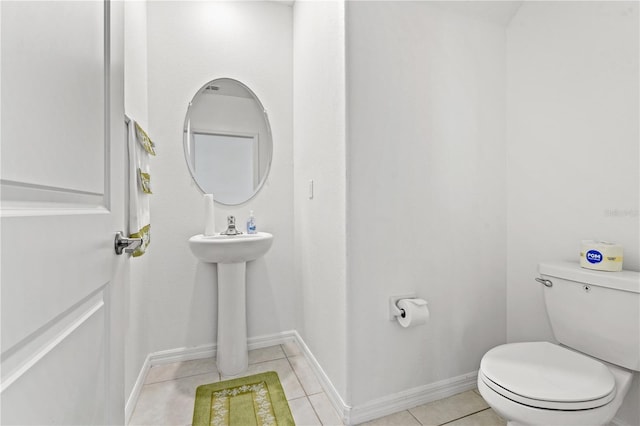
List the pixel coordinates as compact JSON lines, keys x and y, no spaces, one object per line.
{"x":594,"y":256}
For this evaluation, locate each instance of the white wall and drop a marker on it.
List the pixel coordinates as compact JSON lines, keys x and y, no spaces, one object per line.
{"x":573,"y":166}
{"x":319,"y":155}
{"x":191,"y":43}
{"x":136,"y":107}
{"x":426,"y":190}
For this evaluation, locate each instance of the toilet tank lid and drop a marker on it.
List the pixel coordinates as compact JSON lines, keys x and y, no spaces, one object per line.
{"x":623,"y":280}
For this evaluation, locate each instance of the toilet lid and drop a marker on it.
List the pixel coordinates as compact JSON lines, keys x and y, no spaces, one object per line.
{"x":545,"y":375}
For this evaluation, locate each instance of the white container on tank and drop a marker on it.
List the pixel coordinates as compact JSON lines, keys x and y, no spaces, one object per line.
{"x":601,"y":256}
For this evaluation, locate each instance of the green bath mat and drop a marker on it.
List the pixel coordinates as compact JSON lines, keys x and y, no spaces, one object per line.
{"x":253,"y":400}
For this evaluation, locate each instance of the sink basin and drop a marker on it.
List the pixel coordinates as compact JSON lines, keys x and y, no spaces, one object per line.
{"x":230,"y":248}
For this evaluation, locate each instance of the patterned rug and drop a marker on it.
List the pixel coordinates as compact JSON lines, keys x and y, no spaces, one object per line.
{"x":253,"y":400}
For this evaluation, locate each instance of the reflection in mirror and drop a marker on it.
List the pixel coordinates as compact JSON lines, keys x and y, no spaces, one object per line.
{"x":227,"y":141}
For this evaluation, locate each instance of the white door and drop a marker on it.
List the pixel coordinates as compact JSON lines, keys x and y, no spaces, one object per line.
{"x":62,"y":176}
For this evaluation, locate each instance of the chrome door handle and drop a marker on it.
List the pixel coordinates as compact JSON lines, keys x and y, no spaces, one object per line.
{"x":547,"y":283}
{"x":127,"y":245}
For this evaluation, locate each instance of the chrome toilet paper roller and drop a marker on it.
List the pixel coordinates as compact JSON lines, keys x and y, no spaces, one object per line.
{"x":411,"y":312}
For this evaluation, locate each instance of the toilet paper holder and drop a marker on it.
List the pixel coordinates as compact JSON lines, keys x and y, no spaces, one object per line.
{"x":394,"y":311}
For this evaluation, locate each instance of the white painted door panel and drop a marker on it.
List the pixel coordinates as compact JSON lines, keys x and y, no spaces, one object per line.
{"x":66,"y":383}
{"x":53,"y":99}
{"x":62,"y":158}
{"x":40,"y":260}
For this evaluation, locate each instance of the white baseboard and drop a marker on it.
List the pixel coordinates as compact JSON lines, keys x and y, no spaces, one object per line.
{"x":137,"y":388}
{"x":350,"y":415}
{"x":411,"y":398}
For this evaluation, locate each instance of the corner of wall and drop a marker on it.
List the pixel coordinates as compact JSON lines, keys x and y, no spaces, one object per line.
{"x":319,"y":156}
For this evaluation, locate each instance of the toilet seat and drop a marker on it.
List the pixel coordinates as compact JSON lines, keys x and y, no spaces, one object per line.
{"x":547,"y":376}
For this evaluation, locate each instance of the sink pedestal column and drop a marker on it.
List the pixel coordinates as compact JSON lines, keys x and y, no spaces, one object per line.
{"x":232,"y":355}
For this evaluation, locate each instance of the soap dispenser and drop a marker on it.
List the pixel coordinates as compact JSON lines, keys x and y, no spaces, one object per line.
{"x":251,"y":223}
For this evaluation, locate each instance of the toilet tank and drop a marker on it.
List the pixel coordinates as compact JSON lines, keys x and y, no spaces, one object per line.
{"x":595,"y":312}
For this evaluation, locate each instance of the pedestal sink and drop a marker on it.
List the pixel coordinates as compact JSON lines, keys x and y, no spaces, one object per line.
{"x":231,"y":252}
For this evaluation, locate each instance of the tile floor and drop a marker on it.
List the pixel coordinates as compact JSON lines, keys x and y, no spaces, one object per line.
{"x":167,"y":396}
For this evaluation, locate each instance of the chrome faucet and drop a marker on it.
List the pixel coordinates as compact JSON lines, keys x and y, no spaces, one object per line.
{"x":231,"y":227}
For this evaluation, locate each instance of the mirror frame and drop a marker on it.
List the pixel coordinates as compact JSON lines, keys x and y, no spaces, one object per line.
{"x":186,"y":135}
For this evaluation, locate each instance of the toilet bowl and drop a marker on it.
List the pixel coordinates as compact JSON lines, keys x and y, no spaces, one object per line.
{"x":540,"y":383}
{"x":583,"y":380}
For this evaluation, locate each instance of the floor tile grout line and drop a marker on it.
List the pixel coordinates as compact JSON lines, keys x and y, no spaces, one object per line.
{"x":267,"y":360}
{"x":297,"y":378}
{"x":468,"y":415}
{"x":313,"y":407}
{"x":309,"y":401}
{"x":285,"y":351}
{"x":411,"y":414}
{"x":304,"y":390}
{"x":182,"y":377}
{"x":314,"y":410}
{"x":295,"y":399}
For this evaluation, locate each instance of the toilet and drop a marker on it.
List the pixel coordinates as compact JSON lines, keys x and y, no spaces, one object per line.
{"x":583,"y":378}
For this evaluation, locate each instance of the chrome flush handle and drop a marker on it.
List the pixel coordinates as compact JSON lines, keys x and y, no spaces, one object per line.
{"x":546,"y":283}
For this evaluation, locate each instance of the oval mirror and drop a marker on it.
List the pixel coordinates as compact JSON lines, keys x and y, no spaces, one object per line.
{"x":227,"y":141}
